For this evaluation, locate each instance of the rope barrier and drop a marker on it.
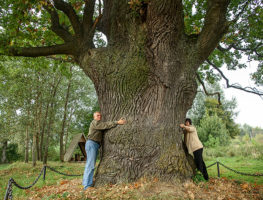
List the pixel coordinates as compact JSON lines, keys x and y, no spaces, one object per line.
{"x":54,"y":170}
{"x":9,"y":190}
{"x":27,"y":187}
{"x":241,"y":173}
{"x":211,"y":165}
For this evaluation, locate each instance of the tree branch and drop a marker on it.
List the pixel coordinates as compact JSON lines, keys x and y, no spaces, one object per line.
{"x":206,"y":92}
{"x":234,"y":46}
{"x":63,"y":60}
{"x":100,"y":13}
{"x":71,"y":14}
{"x":214,"y":27}
{"x":42,"y":51}
{"x":219,"y":47}
{"x":242,"y":10}
{"x":56,"y":27}
{"x":235,"y":85}
{"x":249,"y":49}
{"x":88,"y":16}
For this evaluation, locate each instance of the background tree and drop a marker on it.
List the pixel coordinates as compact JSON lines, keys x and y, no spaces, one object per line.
{"x":147,"y":72}
{"x":205,"y":107}
{"x":27,"y":92}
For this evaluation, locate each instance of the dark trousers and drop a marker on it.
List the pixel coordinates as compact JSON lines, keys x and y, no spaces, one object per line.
{"x":200,"y":164}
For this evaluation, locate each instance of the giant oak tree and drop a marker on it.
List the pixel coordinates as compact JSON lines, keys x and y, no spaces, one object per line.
{"x":147,"y":72}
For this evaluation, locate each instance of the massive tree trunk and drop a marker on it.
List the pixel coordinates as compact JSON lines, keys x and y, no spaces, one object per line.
{"x":151,"y":143}
{"x":149,"y":79}
{"x":147,"y":75}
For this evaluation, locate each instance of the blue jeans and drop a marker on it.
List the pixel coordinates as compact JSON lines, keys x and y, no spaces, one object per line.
{"x":91,"y":148}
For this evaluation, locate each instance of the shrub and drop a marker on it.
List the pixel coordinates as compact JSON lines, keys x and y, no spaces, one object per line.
{"x":212,"y":131}
{"x":240,"y":146}
{"x":12,"y":153}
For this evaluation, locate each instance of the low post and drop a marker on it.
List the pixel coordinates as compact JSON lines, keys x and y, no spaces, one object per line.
{"x":218,"y":171}
{"x":44,"y":175}
{"x":8,"y":190}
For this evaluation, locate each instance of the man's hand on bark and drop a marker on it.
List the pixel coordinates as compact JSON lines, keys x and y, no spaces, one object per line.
{"x":121,"y":121}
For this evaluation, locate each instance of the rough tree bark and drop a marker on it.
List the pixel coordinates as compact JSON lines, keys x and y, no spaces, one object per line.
{"x":52,"y":102}
{"x":146,"y":74}
{"x":61,"y":141}
{"x":3,"y":156}
{"x":43,"y":131}
{"x":27,"y":144}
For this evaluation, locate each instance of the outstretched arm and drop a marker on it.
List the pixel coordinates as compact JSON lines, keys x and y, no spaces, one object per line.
{"x":187,"y":128}
{"x":98,"y":125}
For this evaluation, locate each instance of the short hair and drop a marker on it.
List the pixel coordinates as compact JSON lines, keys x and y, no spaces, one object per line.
{"x":188,"y":120}
{"x":96,"y":112}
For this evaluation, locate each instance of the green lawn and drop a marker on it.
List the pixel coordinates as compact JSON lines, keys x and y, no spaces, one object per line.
{"x":4,"y":166}
{"x":241,"y":164}
{"x":25,"y":175}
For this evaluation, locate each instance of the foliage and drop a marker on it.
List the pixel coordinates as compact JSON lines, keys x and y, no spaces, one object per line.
{"x":250,"y":131}
{"x":27,"y":23}
{"x":22,"y":99}
{"x":243,"y":41}
{"x":212,"y":131}
{"x":11,"y":152}
{"x":241,"y":146}
{"x":198,"y":177}
{"x":215,"y":123}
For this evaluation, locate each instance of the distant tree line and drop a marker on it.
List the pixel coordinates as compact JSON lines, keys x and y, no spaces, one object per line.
{"x":43,"y":103}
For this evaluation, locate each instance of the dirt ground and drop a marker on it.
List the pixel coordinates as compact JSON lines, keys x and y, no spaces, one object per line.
{"x":214,"y":189}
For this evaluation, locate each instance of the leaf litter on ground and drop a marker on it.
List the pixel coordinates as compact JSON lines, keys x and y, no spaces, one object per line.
{"x":214,"y":189}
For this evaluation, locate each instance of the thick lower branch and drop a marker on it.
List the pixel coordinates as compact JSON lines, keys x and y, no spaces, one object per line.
{"x":214,"y":27}
{"x":42,"y":51}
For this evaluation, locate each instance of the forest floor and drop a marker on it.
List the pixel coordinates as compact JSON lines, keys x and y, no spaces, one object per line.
{"x":57,"y":186}
{"x":214,"y":189}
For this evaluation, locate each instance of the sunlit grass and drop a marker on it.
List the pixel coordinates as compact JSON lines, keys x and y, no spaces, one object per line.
{"x":241,"y":164}
{"x":24,"y":174}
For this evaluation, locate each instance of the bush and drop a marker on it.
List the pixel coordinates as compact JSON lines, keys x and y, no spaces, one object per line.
{"x":11,"y":153}
{"x":240,"y":146}
{"x":212,"y":131}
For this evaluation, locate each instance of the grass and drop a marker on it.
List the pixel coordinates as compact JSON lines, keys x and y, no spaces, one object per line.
{"x":4,"y":166}
{"x":25,"y":175}
{"x":241,"y":164}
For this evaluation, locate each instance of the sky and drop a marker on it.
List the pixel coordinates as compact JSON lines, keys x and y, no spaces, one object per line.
{"x":249,"y":106}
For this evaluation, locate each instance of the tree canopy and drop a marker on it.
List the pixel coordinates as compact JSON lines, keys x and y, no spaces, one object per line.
{"x":43,"y":28}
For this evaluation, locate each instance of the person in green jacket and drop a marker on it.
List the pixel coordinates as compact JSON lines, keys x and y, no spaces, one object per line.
{"x":93,"y":144}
